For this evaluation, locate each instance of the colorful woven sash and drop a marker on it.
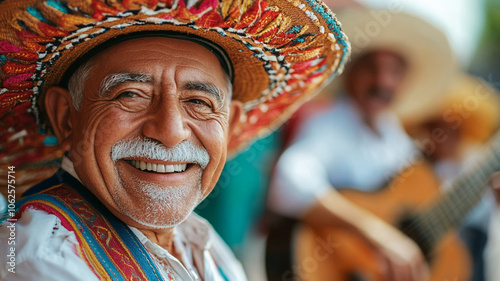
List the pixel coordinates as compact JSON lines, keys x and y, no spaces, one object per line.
{"x":108,"y":246}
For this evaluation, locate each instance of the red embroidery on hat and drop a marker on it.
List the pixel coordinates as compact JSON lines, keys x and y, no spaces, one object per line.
{"x":14,"y":96}
{"x":17,"y":79}
{"x":268,"y":18}
{"x":24,"y":56}
{"x":183,"y":13}
{"x":34,"y":47}
{"x":18,"y":86}
{"x":51,"y":31}
{"x":282,"y":39}
{"x":29,"y":36}
{"x":101,"y":10}
{"x":233,"y":18}
{"x":210,"y":19}
{"x":252,"y":14}
{"x":268,"y":35}
{"x":13,"y":68}
{"x":7,"y":47}
{"x":301,"y":66}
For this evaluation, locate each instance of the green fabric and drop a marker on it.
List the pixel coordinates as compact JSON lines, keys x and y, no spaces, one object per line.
{"x":237,"y":201}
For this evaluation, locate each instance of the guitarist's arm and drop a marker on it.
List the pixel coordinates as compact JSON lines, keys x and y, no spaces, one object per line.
{"x":402,"y":256}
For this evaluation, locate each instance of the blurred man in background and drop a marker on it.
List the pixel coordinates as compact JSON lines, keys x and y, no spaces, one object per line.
{"x":450,"y":134}
{"x":359,"y":143}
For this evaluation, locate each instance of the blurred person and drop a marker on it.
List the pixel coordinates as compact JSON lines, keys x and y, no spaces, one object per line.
{"x":451,"y":133}
{"x":359,"y":143}
{"x":147,"y":99}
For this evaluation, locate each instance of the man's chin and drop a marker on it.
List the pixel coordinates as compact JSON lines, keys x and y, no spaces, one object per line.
{"x":144,"y":223}
{"x":158,"y":208}
{"x":376,"y":107}
{"x":155,"y":216}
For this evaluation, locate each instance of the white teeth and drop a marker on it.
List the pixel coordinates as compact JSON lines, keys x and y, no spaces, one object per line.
{"x":169,"y":168}
{"x":159,"y":168}
{"x":180,"y":167}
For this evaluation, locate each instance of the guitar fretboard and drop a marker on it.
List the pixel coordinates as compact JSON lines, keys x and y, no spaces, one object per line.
{"x":465,"y":192}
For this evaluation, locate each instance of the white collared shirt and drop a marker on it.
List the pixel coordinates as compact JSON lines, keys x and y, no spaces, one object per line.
{"x":336,"y":148}
{"x":45,"y":250}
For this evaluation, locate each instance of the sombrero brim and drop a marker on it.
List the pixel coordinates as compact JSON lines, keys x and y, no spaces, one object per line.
{"x":424,"y":46}
{"x":468,"y":104}
{"x":281,"y":51}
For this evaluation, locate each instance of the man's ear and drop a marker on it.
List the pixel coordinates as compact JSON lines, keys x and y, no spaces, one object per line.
{"x":235,"y":114}
{"x":59,"y":107}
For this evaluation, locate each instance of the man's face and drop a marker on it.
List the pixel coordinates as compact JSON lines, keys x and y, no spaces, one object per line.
{"x":143,"y":97}
{"x":373,"y":80}
{"x":446,"y":147}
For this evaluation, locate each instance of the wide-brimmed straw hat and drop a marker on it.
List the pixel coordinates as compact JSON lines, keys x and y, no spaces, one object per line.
{"x":278,"y":52}
{"x":469,"y":104}
{"x":426,"y":49}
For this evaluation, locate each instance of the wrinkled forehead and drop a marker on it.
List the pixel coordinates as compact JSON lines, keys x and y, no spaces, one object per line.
{"x":212,"y":47}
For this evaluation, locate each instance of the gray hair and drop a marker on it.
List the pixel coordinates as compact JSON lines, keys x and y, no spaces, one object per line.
{"x":76,"y":83}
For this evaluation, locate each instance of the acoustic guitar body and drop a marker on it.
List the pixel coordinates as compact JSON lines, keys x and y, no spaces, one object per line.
{"x":336,"y":254}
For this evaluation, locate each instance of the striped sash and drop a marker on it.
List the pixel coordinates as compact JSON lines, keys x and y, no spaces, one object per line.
{"x":107,"y":245}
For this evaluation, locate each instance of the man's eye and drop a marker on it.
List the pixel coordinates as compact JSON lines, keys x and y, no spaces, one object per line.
{"x":126,"y":95}
{"x":199,"y":102}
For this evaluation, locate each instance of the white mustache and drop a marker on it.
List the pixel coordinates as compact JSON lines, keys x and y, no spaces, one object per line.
{"x":185,"y":151}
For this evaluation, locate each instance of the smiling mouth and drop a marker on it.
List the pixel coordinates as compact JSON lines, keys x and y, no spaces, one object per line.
{"x":158,"y":168}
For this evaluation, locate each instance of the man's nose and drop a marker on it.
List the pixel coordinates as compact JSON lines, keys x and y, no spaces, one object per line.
{"x":388,"y":78}
{"x":168,"y":124}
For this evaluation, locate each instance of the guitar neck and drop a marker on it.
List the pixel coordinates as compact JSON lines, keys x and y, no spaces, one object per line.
{"x":464,"y":193}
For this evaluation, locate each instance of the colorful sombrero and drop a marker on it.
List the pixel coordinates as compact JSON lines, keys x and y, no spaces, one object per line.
{"x":281,"y":51}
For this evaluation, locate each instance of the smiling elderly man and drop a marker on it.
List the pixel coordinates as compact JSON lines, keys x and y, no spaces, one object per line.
{"x":146,"y":99}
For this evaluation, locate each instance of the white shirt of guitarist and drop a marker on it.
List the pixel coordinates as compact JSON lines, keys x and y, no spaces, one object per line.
{"x":336,"y":148}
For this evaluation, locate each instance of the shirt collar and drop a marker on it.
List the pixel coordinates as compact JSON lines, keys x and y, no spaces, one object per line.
{"x":67,"y":165}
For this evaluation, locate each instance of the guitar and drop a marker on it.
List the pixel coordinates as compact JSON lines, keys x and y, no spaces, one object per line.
{"x":414,"y":204}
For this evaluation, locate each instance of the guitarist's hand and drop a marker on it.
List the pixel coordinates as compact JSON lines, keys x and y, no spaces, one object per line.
{"x":400,"y":256}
